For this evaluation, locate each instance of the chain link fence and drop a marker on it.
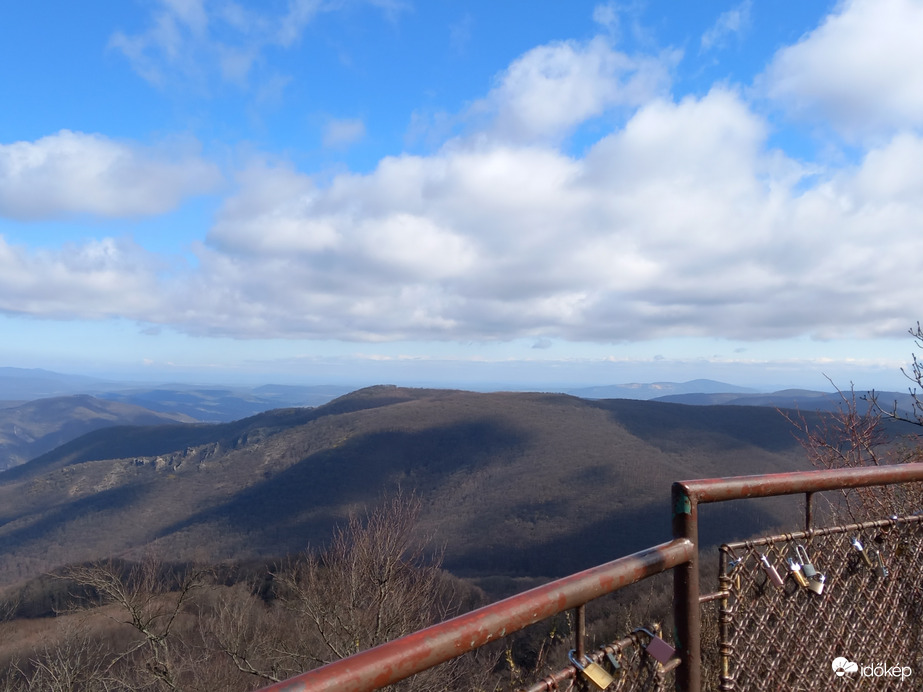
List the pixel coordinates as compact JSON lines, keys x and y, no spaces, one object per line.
{"x":630,"y":663}
{"x":810,"y":606}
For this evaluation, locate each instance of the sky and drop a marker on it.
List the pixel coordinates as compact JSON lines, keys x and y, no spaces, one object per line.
{"x":536,"y":193}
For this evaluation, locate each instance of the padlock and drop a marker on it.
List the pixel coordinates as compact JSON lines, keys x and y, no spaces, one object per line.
{"x":806,"y":567}
{"x":771,"y":571}
{"x":594,"y":672}
{"x":795,"y":569}
{"x":816,"y":583}
{"x":880,"y":567}
{"x":657,"y":647}
{"x":901,"y":537}
{"x":614,"y":662}
{"x":864,"y":555}
{"x":732,"y":569}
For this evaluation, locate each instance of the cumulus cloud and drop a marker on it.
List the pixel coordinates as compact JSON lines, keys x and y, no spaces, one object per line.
{"x":76,"y":173}
{"x":99,"y":279}
{"x":859,"y":70}
{"x":551,"y":89}
{"x":680,"y":221}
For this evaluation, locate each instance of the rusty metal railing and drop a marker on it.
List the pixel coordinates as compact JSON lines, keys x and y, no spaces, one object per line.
{"x":413,"y":653}
{"x":419,"y":651}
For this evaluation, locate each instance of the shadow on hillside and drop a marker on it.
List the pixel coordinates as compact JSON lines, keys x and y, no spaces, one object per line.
{"x":671,"y":427}
{"x":300,"y":504}
{"x":611,"y":537}
{"x":82,"y":514}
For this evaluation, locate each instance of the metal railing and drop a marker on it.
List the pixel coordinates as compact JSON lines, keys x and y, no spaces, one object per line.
{"x":416,"y":652}
{"x":419,"y":651}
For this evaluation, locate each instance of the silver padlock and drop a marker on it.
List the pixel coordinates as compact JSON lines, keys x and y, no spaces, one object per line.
{"x":594,"y":672}
{"x":657,"y":647}
{"x":771,"y":571}
{"x":880,"y":568}
{"x":806,"y":565}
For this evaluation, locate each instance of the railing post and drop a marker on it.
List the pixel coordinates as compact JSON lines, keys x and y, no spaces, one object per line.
{"x":808,"y":513}
{"x":580,"y":643}
{"x":580,"y":631}
{"x":687,"y":617}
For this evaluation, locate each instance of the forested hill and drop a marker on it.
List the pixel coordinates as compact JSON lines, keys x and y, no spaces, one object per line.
{"x":512,"y":483}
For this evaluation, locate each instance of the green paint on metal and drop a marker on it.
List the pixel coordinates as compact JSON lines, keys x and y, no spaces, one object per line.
{"x":683,"y":505}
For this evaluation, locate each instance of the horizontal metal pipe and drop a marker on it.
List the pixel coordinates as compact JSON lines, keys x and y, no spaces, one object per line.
{"x":825,"y":531}
{"x":412,"y":653}
{"x":768,"y":485}
{"x":716,"y":596}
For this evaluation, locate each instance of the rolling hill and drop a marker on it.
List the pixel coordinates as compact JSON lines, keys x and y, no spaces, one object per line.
{"x":33,"y":428}
{"x":513,"y":484}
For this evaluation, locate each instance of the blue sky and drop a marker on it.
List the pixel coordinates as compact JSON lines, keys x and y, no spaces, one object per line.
{"x":533,"y":193}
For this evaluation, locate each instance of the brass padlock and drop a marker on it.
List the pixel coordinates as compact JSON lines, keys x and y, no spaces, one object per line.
{"x":862,"y":553}
{"x":595,"y":672}
{"x":798,"y":575}
{"x":732,"y":569}
{"x":657,"y":647}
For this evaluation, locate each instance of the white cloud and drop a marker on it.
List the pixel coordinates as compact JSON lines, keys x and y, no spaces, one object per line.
{"x":680,"y":222}
{"x":100,"y":279}
{"x":551,"y":89}
{"x":192,"y":40}
{"x":861,"y":70}
{"x":733,"y":22}
{"x":606,"y":15}
{"x":342,"y":132}
{"x":76,"y":173}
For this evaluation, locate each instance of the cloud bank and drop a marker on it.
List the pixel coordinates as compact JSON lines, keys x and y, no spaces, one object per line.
{"x":75,"y":173}
{"x":680,"y":221}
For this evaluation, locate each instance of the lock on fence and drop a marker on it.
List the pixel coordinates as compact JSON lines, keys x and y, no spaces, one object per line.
{"x":657,"y":647}
{"x":593,"y":671}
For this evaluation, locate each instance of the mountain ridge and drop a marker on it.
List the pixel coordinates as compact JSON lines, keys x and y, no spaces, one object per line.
{"x":514,"y":484}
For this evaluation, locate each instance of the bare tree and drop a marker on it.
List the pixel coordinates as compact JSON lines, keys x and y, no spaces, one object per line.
{"x":855,"y":436}
{"x":373,"y":583}
{"x":915,"y":375}
{"x":148,"y":599}
{"x":74,"y":663}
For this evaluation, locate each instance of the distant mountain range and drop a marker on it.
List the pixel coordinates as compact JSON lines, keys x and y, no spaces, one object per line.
{"x":513,"y":484}
{"x":29,"y":427}
{"x":655,"y":390}
{"x":802,"y":399}
{"x":215,"y":404}
{"x":36,"y":427}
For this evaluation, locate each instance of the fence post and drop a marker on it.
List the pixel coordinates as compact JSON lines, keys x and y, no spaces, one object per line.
{"x":687,"y":619}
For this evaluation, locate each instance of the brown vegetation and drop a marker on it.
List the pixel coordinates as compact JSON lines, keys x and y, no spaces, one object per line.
{"x":149,"y":626}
